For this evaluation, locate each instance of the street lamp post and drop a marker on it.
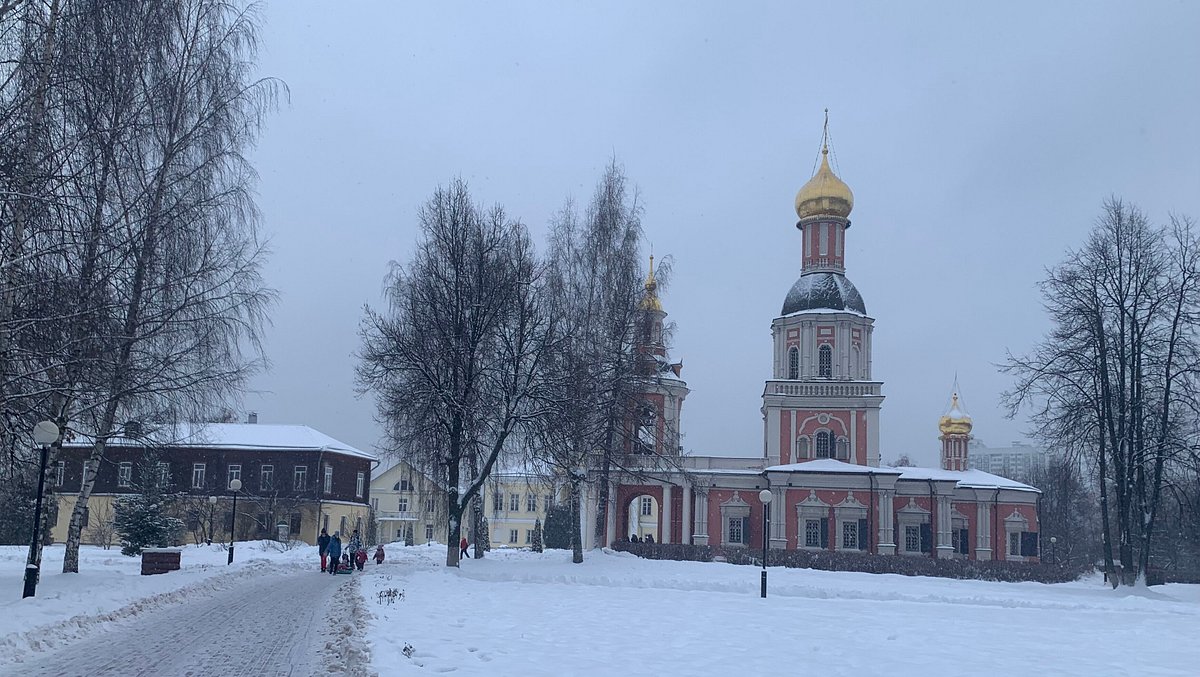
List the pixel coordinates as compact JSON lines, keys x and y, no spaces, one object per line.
{"x":765,"y":497}
{"x":44,"y":434}
{"x":212,"y":506}
{"x":1053,"y":552}
{"x":235,"y":486}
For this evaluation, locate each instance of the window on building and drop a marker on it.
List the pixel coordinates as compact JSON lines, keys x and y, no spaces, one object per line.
{"x":528,"y":536}
{"x":325,"y":522}
{"x":960,"y":538}
{"x":328,"y":486}
{"x":823,"y":444}
{"x":164,"y":474}
{"x":736,"y":533}
{"x":399,"y":534}
{"x":512,"y":535}
{"x":531,"y":502}
{"x":429,"y":504}
{"x":124,"y":474}
{"x":360,"y":484}
{"x":402,"y":504}
{"x":815,"y":533}
{"x":912,"y":538}
{"x":300,"y":478}
{"x":375,"y":504}
{"x":234,"y":473}
{"x":648,"y":507}
{"x":342,"y":526}
{"x":802,"y":447}
{"x":296,"y":523}
{"x":514,"y":502}
{"x":404,"y":485}
{"x":197,"y":475}
{"x":548,"y":501}
{"x":497,"y":502}
{"x":850,"y":535}
{"x":266,"y":478}
{"x":428,"y":532}
{"x":843,"y":449}
{"x":825,"y":361}
{"x":60,"y":469}
{"x":793,"y":363}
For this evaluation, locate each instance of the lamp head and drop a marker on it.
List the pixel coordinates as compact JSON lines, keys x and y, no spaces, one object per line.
{"x":765,"y":496}
{"x":235,"y":485}
{"x":45,"y":433}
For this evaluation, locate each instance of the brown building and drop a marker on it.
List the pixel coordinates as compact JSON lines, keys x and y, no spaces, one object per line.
{"x":295,"y":480}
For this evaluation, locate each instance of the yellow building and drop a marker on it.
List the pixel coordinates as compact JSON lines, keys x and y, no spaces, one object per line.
{"x":408,"y":506}
{"x":515,"y":501}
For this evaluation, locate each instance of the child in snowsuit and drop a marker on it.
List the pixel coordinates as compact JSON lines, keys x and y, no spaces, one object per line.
{"x":335,"y":552}
{"x":360,"y":558}
{"x":379,"y":554}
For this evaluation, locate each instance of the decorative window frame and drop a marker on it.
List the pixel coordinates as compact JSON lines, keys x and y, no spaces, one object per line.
{"x":803,"y":448}
{"x":841,"y":446}
{"x":824,"y":361}
{"x":793,"y":366}
{"x":1014,"y":524}
{"x":958,"y":522}
{"x":812,"y":507}
{"x":849,"y":510}
{"x":734,"y":508}
{"x":911,"y":515}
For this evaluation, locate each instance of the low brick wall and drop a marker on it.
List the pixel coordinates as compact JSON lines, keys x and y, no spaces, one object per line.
{"x":856,"y":561}
{"x":160,"y":560}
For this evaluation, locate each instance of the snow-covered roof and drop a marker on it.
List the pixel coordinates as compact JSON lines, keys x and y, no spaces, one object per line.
{"x":829,"y":465}
{"x":251,"y":436}
{"x":965,"y":478}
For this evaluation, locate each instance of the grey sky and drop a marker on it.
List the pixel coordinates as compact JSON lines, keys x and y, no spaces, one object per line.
{"x":979,"y":141}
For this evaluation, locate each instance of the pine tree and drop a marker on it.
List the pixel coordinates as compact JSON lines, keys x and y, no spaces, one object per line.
{"x":558,"y":529}
{"x":537,"y":535}
{"x":142,"y":519}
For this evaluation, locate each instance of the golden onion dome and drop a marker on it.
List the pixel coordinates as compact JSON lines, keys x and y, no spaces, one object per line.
{"x":955,"y":421}
{"x":824,"y":194}
{"x":650,"y":299}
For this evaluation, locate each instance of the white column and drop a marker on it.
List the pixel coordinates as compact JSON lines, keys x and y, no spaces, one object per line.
{"x":685,"y":532}
{"x":664,"y":536}
{"x":945,"y":545}
{"x":610,"y":517}
{"x":585,"y":524}
{"x":983,"y":528}
{"x":700,"y":537}
{"x":778,"y":519}
{"x":886,"y":515}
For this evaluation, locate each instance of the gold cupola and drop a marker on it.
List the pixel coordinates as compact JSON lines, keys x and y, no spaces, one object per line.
{"x":955,"y":421}
{"x":824,"y":194}
{"x":650,"y":299}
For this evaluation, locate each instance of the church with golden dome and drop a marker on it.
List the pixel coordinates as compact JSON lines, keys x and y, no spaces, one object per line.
{"x":820,"y":458}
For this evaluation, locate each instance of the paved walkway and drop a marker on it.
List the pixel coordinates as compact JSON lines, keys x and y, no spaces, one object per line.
{"x":268,"y":625}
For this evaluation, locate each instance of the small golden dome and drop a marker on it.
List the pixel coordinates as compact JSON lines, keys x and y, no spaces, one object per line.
{"x":650,"y":299}
{"x":825,"y":193}
{"x":955,"y":421}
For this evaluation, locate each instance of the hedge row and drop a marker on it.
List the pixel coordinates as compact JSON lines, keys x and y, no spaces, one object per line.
{"x":825,"y":560}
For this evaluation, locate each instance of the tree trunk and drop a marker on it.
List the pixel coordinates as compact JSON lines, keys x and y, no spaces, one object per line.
{"x":576,"y":527}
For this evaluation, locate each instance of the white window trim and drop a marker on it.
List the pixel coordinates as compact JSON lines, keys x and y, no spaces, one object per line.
{"x":849,"y":510}
{"x":812,"y":508}
{"x":199,"y":470}
{"x":124,"y":474}
{"x":734,"y":508}
{"x":913,"y":515}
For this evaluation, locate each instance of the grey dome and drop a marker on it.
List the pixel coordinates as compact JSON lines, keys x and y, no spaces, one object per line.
{"x":824,"y":291}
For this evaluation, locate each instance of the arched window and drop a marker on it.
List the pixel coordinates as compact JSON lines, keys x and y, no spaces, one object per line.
{"x":825,"y":362}
{"x":793,"y":363}
{"x":802,"y":447}
{"x":823,"y":444}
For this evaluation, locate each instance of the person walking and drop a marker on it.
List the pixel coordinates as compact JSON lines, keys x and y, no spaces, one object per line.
{"x":335,"y":552}
{"x":323,"y":547}
{"x":379,"y":554}
{"x":462,"y":545}
{"x":354,"y":546}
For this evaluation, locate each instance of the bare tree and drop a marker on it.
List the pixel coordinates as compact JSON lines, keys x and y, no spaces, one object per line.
{"x":454,"y":361}
{"x":1112,"y":380}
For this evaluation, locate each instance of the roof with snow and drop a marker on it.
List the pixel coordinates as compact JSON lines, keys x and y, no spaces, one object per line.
{"x":833,"y":292}
{"x":261,"y":436}
{"x":829,"y":465}
{"x":965,"y":478}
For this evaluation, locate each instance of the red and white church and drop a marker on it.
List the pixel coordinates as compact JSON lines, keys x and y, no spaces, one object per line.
{"x":821,"y":449}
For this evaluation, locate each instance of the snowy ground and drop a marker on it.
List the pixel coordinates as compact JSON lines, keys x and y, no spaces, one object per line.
{"x":522,"y":613}
{"x":109,"y":613}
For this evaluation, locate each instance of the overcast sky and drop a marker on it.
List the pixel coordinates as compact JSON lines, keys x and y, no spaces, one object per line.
{"x":979,"y":141}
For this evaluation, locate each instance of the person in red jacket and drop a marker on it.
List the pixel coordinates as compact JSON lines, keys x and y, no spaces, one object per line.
{"x":463,"y":546}
{"x":379,"y":554}
{"x":360,"y":558}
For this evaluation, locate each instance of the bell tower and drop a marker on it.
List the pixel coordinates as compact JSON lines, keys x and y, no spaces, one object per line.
{"x":821,"y":402}
{"x":955,"y":427}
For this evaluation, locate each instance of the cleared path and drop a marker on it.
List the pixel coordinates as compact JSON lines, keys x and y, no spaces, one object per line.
{"x":267,"y":625}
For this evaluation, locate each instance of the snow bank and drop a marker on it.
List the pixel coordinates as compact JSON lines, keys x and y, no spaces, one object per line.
{"x":521,"y":613}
